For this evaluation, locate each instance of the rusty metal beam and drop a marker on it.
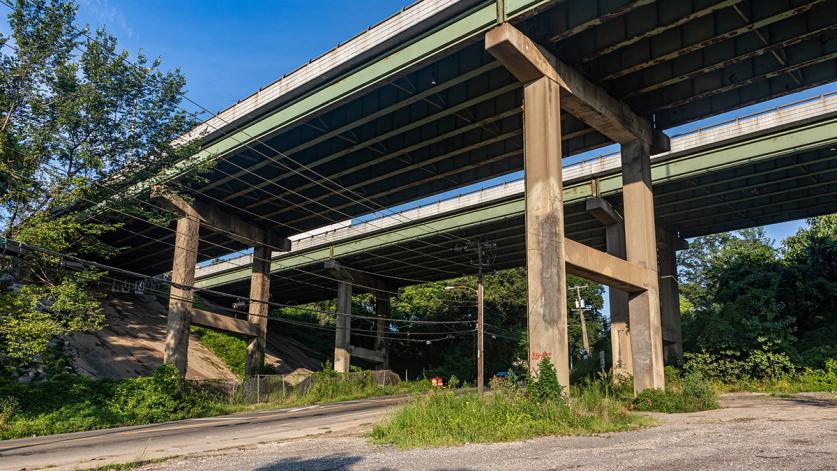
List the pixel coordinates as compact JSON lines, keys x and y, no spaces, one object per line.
{"x":732,"y":61}
{"x":749,"y":81}
{"x":661,"y":29}
{"x":714,"y":40}
{"x":601,"y":19}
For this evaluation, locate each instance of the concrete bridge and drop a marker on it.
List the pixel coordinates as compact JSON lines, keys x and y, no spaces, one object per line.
{"x":448,"y":93}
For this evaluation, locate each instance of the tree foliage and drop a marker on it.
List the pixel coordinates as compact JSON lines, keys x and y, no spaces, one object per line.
{"x":746,"y":301}
{"x":79,"y":120}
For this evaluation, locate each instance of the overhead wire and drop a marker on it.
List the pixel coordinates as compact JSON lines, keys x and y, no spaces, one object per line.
{"x":133,"y":274}
{"x":284,"y":224}
{"x":217,"y":115}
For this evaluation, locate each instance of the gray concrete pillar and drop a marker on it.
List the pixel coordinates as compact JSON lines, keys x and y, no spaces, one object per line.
{"x":180,"y":297}
{"x":641,"y":248}
{"x":342,"y":336}
{"x":382,"y":310}
{"x":258,"y":311}
{"x":670,"y":299}
{"x":620,"y":338}
{"x":546,"y":271}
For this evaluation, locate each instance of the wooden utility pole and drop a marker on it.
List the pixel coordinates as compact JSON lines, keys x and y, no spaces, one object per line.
{"x":579,"y":305}
{"x":480,"y":248}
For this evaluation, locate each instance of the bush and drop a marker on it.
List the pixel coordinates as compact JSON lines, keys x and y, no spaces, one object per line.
{"x":695,"y":394}
{"x":545,"y":386}
{"x":157,"y":398}
{"x":70,"y":403}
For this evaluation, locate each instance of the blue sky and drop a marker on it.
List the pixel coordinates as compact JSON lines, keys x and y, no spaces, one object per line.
{"x":229,"y":49}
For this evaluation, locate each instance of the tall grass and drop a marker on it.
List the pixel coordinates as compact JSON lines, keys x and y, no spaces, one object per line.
{"x":445,"y":418}
{"x":691,"y":394}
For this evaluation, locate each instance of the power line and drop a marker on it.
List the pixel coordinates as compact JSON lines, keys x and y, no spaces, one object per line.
{"x":217,"y":115}
{"x":21,"y":246}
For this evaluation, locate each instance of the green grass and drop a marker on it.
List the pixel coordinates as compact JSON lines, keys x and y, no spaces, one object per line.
{"x":807,"y":380}
{"x":692,"y":394}
{"x":445,"y":418}
{"x":72,"y":403}
{"x":230,"y":349}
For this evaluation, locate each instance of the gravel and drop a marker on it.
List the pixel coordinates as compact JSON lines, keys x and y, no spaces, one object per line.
{"x":751,"y":431}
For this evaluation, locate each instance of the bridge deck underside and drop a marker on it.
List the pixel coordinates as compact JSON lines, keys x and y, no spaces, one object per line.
{"x":453,"y":119}
{"x":791,"y":186}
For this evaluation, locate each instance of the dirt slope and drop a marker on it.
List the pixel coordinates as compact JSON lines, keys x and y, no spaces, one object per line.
{"x":132,"y":344}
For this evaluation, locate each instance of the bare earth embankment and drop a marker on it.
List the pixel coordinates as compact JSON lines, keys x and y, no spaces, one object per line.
{"x":750,"y":432}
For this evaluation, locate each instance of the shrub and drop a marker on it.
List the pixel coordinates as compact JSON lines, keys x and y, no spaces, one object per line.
{"x":545,"y":386}
{"x":160,"y":397}
{"x":695,"y":394}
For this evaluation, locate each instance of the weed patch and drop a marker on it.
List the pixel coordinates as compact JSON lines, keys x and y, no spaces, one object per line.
{"x":692,"y":394}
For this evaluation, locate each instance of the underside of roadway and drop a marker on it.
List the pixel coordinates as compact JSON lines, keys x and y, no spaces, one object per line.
{"x":750,"y":431}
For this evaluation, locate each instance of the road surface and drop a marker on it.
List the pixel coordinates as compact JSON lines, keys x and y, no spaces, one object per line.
{"x":129,"y":444}
{"x":750,"y":432}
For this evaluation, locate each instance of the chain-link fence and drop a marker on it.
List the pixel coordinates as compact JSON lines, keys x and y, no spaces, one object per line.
{"x":289,"y":387}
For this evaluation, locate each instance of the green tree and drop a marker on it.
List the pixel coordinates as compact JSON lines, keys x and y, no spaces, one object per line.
{"x":79,"y":120}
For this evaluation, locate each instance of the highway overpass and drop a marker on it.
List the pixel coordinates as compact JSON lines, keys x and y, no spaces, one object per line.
{"x":449,"y":93}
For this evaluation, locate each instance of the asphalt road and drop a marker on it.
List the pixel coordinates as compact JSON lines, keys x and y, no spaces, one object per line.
{"x":128,"y":444}
{"x":750,"y":432}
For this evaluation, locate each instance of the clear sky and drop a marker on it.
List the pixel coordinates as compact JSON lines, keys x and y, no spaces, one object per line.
{"x":228,"y":49}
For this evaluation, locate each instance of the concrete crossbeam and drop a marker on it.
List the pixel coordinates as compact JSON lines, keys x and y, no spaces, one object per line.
{"x":374,"y":356}
{"x":360,"y":280}
{"x":600,"y":267}
{"x":216,"y":219}
{"x":222,"y":322}
{"x":582,"y":98}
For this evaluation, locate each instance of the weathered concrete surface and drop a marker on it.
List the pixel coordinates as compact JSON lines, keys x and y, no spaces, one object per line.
{"x":750,"y":432}
{"x":131,"y":344}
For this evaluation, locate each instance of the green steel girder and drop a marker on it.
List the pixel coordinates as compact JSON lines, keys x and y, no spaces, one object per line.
{"x":669,"y":170}
{"x":429,"y":45}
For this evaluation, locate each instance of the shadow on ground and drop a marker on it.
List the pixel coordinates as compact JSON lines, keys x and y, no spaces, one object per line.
{"x":338,"y":461}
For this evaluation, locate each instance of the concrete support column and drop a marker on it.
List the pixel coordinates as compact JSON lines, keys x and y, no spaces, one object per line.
{"x":181,"y":295}
{"x":382,"y":310}
{"x":670,"y":299}
{"x":342,"y":337}
{"x":641,"y":248}
{"x":546,"y":275}
{"x":258,"y":311}
{"x":620,"y":338}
